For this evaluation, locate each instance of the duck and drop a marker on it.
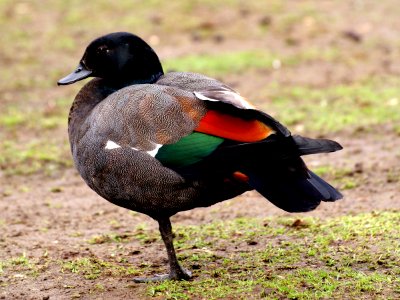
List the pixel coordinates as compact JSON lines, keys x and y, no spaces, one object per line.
{"x":160,"y":143}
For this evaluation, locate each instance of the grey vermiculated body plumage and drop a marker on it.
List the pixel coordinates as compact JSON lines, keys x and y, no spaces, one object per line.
{"x":162,"y":143}
{"x":161,"y":118}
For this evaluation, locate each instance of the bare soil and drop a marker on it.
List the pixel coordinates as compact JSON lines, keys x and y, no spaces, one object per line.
{"x":54,"y":217}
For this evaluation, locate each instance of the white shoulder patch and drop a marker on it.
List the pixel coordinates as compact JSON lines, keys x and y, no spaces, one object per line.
{"x":239,"y":99}
{"x":111,"y":145}
{"x":226,"y":96}
{"x":202,"y":97}
{"x":155,"y":150}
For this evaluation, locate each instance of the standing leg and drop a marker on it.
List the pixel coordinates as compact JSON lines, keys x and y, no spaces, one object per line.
{"x":176,"y":271}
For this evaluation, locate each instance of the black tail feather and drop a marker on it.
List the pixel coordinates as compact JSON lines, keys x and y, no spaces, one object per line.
{"x":293,"y":192}
{"x":331,"y":193}
{"x":275,"y":147}
{"x":312,"y":146}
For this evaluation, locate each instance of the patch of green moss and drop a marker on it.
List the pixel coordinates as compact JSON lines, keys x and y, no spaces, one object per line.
{"x":350,"y":256}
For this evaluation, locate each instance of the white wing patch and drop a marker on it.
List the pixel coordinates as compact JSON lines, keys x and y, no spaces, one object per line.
{"x":111,"y":145}
{"x":153,"y":152}
{"x":202,"y":97}
{"x":225,"y":96}
{"x":239,"y":99}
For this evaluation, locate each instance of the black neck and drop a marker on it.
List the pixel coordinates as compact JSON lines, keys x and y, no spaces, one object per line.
{"x":119,"y":84}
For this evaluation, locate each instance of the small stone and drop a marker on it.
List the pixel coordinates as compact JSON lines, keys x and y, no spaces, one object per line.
{"x":218,"y":38}
{"x":196,"y":266}
{"x":56,"y":189}
{"x":265,"y":21}
{"x":298,"y":223}
{"x":252,"y":243}
{"x":358,"y":167}
{"x":352,"y":36}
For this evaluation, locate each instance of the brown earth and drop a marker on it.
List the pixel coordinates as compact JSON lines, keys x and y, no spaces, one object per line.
{"x":53,"y":218}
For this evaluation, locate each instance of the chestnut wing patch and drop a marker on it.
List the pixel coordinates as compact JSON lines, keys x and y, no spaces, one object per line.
{"x":233,"y":128}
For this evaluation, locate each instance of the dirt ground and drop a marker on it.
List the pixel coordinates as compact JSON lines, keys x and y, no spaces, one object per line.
{"x":54,"y":217}
{"x":49,"y":219}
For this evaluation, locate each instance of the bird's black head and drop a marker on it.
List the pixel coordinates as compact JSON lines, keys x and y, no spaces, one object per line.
{"x":120,"y":58}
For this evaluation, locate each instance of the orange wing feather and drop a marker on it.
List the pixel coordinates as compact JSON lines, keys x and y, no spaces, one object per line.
{"x":233,"y":128}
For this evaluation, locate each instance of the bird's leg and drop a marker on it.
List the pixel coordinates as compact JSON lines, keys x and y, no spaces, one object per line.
{"x":176,"y":271}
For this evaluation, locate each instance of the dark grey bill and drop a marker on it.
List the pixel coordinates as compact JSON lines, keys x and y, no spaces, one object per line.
{"x":80,"y":73}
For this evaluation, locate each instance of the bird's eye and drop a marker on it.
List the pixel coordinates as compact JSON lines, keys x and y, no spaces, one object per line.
{"x":103,"y":49}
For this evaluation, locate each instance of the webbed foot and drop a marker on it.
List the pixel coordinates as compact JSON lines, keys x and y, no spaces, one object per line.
{"x":181,"y":274}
